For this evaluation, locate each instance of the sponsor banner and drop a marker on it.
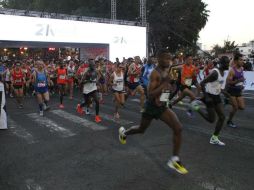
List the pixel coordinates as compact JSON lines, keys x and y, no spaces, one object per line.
{"x":248,"y":75}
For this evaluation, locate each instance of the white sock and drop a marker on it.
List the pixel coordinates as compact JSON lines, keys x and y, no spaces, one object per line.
{"x":175,"y":158}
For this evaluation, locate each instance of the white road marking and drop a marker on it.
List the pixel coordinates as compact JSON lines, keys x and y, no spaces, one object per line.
{"x":78,"y":120}
{"x":53,"y":127}
{"x":209,"y":186}
{"x":135,"y":100}
{"x":20,"y":132}
{"x":31,"y":185}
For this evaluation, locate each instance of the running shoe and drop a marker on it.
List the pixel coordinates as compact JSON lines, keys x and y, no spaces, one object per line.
{"x":122,"y":136}
{"x":21,"y":106}
{"x":87,"y":111}
{"x":41,"y":113}
{"x":61,"y":106}
{"x":215,"y":140}
{"x":180,"y":102}
{"x":231,"y":124}
{"x":11,"y":95}
{"x":189,"y":113}
{"x":97,"y":119}
{"x":142,"y":110}
{"x":177,"y":166}
{"x":195,"y":105}
{"x":116,"y":115}
{"x":79,"y":109}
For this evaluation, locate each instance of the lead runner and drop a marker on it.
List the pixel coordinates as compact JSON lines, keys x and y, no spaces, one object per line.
{"x":155,"y":108}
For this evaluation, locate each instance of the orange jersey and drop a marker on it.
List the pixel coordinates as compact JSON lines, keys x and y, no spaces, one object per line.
{"x":188,"y":72}
{"x":61,"y":76}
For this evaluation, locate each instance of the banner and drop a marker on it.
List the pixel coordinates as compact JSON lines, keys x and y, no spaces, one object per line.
{"x":248,"y":75}
{"x":3,"y":116}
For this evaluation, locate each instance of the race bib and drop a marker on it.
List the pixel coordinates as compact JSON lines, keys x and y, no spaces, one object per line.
{"x":164,"y":96}
{"x":62,"y":77}
{"x":70,"y":74}
{"x":188,"y":82}
{"x":18,"y":80}
{"x":239,"y":84}
{"x":41,"y":84}
{"x":119,"y":81}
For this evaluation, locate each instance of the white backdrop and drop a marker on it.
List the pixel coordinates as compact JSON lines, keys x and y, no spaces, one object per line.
{"x":124,"y":41}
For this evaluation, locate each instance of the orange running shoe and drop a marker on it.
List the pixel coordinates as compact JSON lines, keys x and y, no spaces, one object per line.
{"x":97,"y":119}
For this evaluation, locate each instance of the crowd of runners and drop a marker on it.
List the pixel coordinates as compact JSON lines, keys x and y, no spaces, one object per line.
{"x":161,"y":81}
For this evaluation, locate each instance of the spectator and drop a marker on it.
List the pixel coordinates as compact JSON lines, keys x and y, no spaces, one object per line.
{"x":248,"y":66}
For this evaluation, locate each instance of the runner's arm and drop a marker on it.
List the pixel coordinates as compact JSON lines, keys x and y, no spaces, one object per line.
{"x":210,"y":78}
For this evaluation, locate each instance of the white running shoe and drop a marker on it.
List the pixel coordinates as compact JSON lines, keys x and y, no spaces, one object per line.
{"x":87,"y":111}
{"x":122,"y":136}
{"x":41,"y":113}
{"x":215,"y":140}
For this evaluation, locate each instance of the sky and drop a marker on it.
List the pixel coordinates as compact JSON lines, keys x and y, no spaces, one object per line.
{"x":229,"y":19}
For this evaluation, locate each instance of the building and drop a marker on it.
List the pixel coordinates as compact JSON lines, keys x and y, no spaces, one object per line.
{"x":247,"y":49}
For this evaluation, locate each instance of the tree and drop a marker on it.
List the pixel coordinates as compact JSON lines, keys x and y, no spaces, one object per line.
{"x":228,"y":47}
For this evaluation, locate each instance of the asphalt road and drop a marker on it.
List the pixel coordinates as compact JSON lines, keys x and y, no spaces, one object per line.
{"x":65,"y":151}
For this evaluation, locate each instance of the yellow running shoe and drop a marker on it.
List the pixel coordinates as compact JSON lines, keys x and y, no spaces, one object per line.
{"x":122,"y":136}
{"x":177,"y":166}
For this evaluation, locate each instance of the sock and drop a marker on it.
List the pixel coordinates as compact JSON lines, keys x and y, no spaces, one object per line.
{"x":215,"y":136}
{"x":40,"y":107}
{"x":175,"y":158}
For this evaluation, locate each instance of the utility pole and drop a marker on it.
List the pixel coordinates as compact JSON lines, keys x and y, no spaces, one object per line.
{"x":143,"y":12}
{"x":113,"y":9}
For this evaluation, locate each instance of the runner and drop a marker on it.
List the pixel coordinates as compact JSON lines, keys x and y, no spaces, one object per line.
{"x":102,"y":71}
{"x":117,"y":83}
{"x":18,"y":81}
{"x":146,"y":72}
{"x":133,"y":79}
{"x":70,"y":74}
{"x":61,"y":82}
{"x":187,"y":75}
{"x":155,"y":108}
{"x":235,"y":81}
{"x":7,"y":81}
{"x":212,"y":87}
{"x":89,"y":80}
{"x":40,"y":80}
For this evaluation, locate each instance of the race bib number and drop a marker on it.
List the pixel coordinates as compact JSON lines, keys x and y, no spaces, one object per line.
{"x":62,"y":77}
{"x":41,"y":84}
{"x":18,"y":80}
{"x":164,"y":96}
{"x":70,"y":74}
{"x":188,"y":82}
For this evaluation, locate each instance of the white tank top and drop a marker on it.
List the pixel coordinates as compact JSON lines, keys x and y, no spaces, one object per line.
{"x":119,"y":81}
{"x":215,"y":87}
{"x":8,"y":75}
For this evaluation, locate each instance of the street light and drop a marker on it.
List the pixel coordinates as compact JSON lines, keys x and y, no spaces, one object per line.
{"x":5,"y":50}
